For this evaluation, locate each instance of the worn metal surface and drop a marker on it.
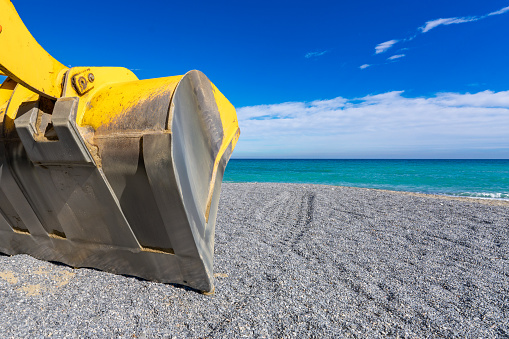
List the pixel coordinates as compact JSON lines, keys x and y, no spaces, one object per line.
{"x":116,"y":173}
{"x":148,"y":195}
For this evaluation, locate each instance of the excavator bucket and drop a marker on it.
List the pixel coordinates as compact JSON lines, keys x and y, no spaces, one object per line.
{"x":100,"y":169}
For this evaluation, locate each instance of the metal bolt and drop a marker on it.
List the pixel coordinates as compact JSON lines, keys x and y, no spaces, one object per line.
{"x":91,"y":77}
{"x":82,"y":83}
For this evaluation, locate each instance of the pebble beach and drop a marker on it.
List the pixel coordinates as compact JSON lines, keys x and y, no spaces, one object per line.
{"x":295,"y":260}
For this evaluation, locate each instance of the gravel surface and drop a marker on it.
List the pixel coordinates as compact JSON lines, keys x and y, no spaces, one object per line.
{"x":295,"y":261}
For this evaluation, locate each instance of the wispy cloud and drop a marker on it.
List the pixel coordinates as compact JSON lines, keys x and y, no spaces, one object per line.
{"x":315,"y":54}
{"x":397,"y":56}
{"x":383,"y":125}
{"x":500,"y":11}
{"x":431,"y":24}
{"x":384,"y":46}
{"x":364,"y":66}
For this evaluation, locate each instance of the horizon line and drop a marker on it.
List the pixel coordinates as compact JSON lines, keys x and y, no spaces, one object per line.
{"x":369,"y":158}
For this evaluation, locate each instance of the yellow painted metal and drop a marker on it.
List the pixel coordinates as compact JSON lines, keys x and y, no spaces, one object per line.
{"x":6,"y":90}
{"x":104,"y":79}
{"x":228,"y":118}
{"x":19,"y":95}
{"x":23,"y":59}
{"x":113,"y":100}
{"x":231,"y":133}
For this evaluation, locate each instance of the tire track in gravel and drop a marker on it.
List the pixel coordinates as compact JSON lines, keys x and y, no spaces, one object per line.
{"x":274,"y":210}
{"x":288,"y":205}
{"x":300,"y":213}
{"x":235,"y":309}
{"x":289,"y":216}
{"x":305,"y":218}
{"x":273,"y":215}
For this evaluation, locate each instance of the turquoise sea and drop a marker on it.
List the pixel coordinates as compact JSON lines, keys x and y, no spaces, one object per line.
{"x":465,"y":178}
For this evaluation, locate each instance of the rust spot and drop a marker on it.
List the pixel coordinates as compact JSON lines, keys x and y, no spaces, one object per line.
{"x":88,"y":136}
{"x":57,"y":235}
{"x":157,"y":250}
{"x":20,"y":231}
{"x":43,"y":124}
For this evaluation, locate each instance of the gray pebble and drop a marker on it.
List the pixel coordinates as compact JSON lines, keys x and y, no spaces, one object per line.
{"x":294,"y":261}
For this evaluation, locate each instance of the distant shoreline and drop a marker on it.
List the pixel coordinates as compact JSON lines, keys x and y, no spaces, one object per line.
{"x":486,"y":201}
{"x":374,"y":159}
{"x":480,"y":200}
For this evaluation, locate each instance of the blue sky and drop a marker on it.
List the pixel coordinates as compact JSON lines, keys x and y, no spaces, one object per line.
{"x":321,"y":79}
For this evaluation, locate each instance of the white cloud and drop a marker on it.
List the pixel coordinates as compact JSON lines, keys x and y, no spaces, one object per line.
{"x":500,"y":11}
{"x":383,"y":125}
{"x":397,"y":56}
{"x":429,"y":25}
{"x":279,"y":111}
{"x":364,"y":66}
{"x":487,"y":99}
{"x":314,"y":54}
{"x":328,"y":104}
{"x":384,"y":46}
{"x":449,"y":21}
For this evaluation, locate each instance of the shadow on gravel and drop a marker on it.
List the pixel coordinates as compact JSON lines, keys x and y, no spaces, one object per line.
{"x":185,"y":288}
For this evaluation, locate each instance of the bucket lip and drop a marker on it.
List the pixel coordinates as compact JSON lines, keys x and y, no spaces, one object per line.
{"x":185,"y":77}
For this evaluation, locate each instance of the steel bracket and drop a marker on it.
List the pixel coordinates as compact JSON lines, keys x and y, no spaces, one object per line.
{"x":52,"y":138}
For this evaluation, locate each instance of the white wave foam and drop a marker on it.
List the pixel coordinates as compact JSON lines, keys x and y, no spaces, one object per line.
{"x":483,"y":195}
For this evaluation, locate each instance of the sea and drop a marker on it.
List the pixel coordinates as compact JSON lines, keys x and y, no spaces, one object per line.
{"x":488,"y":179}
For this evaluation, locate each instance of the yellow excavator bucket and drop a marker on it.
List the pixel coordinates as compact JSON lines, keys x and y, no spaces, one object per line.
{"x":100,"y":169}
